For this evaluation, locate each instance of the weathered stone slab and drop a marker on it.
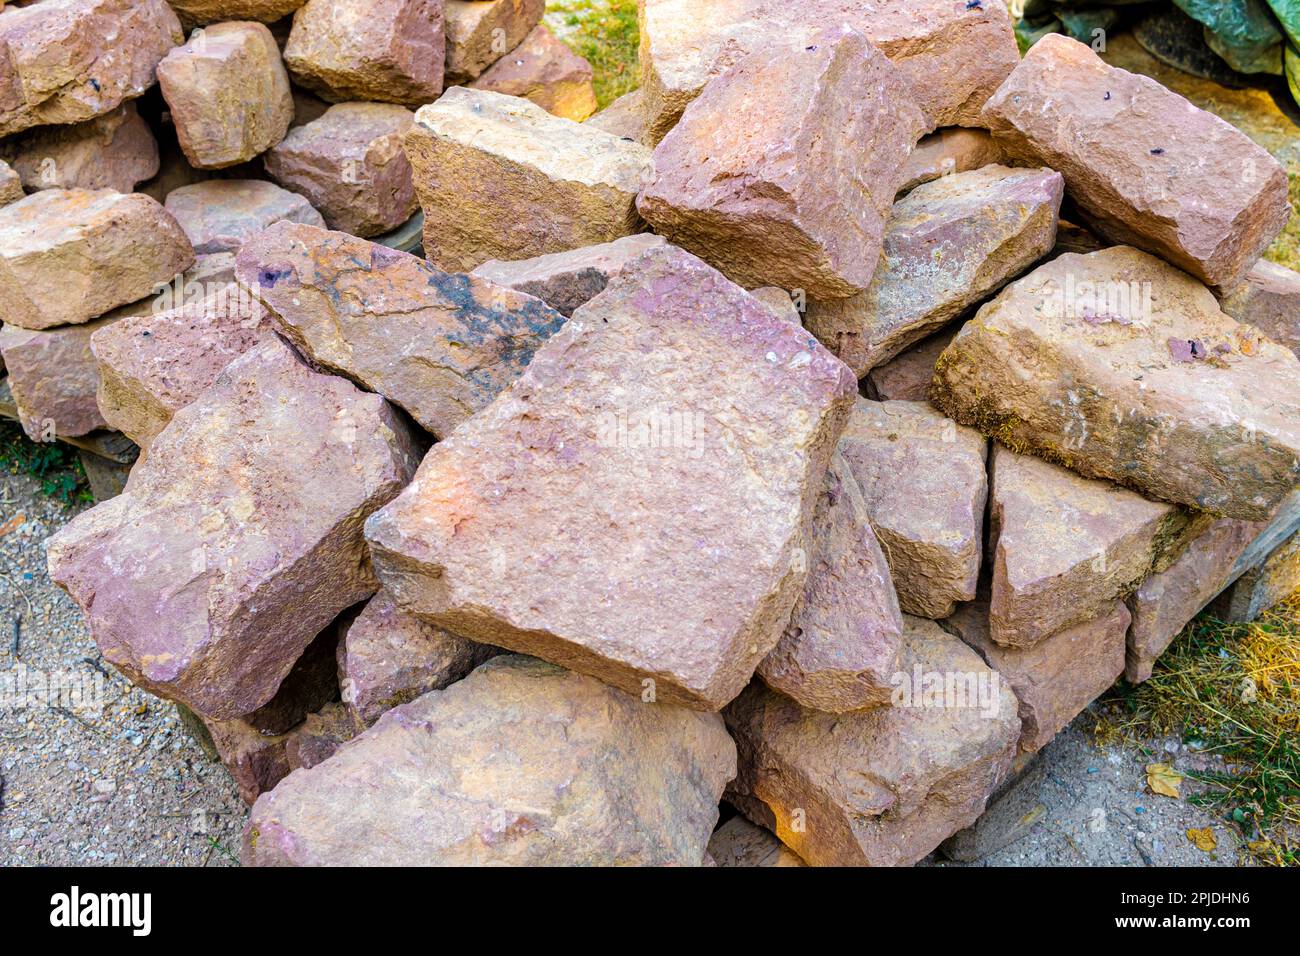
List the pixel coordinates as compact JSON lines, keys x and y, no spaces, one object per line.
{"x":441,"y":346}
{"x":386,"y":51}
{"x":1134,"y":157}
{"x":480,"y":32}
{"x":948,"y":151}
{"x":949,"y":245}
{"x":544,"y":70}
{"x":241,"y":532}
{"x":739,"y":843}
{"x":521,"y":763}
{"x":70,"y":255}
{"x":673,"y":407}
{"x":1263,"y":586}
{"x":255,"y":107}
{"x":388,"y":657}
{"x":1120,"y":366}
{"x":219,"y":215}
{"x":1269,"y":300}
{"x":1064,"y":548}
{"x":1057,"y":678}
{"x":500,"y":178}
{"x":567,"y":280}
{"x":200,"y":12}
{"x":685,"y":44}
{"x":114,"y":151}
{"x":1165,"y":602}
{"x":925,"y":486}
{"x":767,"y":196}
{"x":881,"y":787}
{"x":350,"y":164}
{"x":52,"y":378}
{"x":152,"y":365}
{"x":840,"y":650}
{"x":56,"y":66}
{"x":624,"y":118}
{"x":907,"y":376}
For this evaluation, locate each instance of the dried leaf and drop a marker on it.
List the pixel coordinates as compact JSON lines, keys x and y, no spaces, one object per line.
{"x":1203,"y":839}
{"x":13,"y":523}
{"x":1164,"y":780}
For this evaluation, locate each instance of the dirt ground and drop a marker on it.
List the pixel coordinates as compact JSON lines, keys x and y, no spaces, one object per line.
{"x":112,"y":778}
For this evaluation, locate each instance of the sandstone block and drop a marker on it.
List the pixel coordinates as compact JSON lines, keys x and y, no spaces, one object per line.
{"x":925,"y":487}
{"x":441,"y":346}
{"x":1263,"y":586}
{"x":350,"y":164}
{"x":480,"y":32}
{"x":200,"y":12}
{"x":113,"y":151}
{"x":11,"y":184}
{"x":1133,"y":155}
{"x":500,"y":178}
{"x":521,"y":763}
{"x":624,"y":118}
{"x":907,"y":376}
{"x":1120,"y":366}
{"x":249,"y":509}
{"x":739,"y":843}
{"x":542,"y":524}
{"x":219,"y":215}
{"x":70,"y":255}
{"x":544,"y":70}
{"x":52,"y":378}
{"x":767,"y":196}
{"x":948,"y":151}
{"x":1269,"y":300}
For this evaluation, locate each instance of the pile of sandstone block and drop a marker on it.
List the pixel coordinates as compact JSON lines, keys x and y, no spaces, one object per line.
{"x":817,"y":430}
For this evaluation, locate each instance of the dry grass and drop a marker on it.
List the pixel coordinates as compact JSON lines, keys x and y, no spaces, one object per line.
{"x":1285,"y":250}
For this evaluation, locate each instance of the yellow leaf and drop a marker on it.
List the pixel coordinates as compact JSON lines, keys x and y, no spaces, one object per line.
{"x":1164,"y":780}
{"x":1203,"y":839}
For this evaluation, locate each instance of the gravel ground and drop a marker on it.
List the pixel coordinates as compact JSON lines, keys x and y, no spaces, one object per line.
{"x":113,"y":778}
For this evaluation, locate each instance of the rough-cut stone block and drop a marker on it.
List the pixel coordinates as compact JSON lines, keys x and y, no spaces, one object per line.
{"x":114,"y":151}
{"x":1262,"y":587}
{"x":1269,"y":300}
{"x":441,"y":346}
{"x":256,"y":762}
{"x":152,"y":365}
{"x":1064,"y":548}
{"x":70,"y":255}
{"x":501,"y":178}
{"x":1014,"y":810}
{"x":11,"y":184}
{"x":924,"y":482}
{"x":881,"y":787}
{"x":387,"y":51}
{"x":318,"y":737}
{"x":1059,"y":676}
{"x":200,"y":12}
{"x":907,"y":377}
{"x":52,"y":377}
{"x":1165,"y":602}
{"x":480,"y":32}
{"x":546,"y":71}
{"x":673,"y":407}
{"x":948,"y":151}
{"x":779,"y":301}
{"x":624,"y":118}
{"x":949,"y":245}
{"x":567,"y":280}
{"x":771,"y":196}
{"x":228,"y":93}
{"x":350,"y":164}
{"x":521,"y":763}
{"x":1120,"y":366}
{"x":67,"y":61}
{"x":1143,"y":165}
{"x":219,"y":215}
{"x":840,"y":650}
{"x":388,"y":657}
{"x":739,"y":843}
{"x":953,"y":53}
{"x":239,"y":537}
{"x":209,"y":274}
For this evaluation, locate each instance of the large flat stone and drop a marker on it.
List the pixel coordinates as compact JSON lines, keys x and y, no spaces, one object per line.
{"x":441,"y":346}
{"x":70,"y":255}
{"x":881,"y":787}
{"x":501,"y":178}
{"x":239,"y":537}
{"x":767,"y":195}
{"x":1064,"y":548}
{"x":949,"y":245}
{"x":1269,"y":299}
{"x":840,"y":650}
{"x":480,"y":32}
{"x":1120,"y":366}
{"x":925,"y":487}
{"x":219,"y":215}
{"x":521,"y":763}
{"x":1134,"y":157}
{"x":663,"y":450}
{"x":114,"y":151}
{"x":954,"y":54}
{"x":67,"y":61}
